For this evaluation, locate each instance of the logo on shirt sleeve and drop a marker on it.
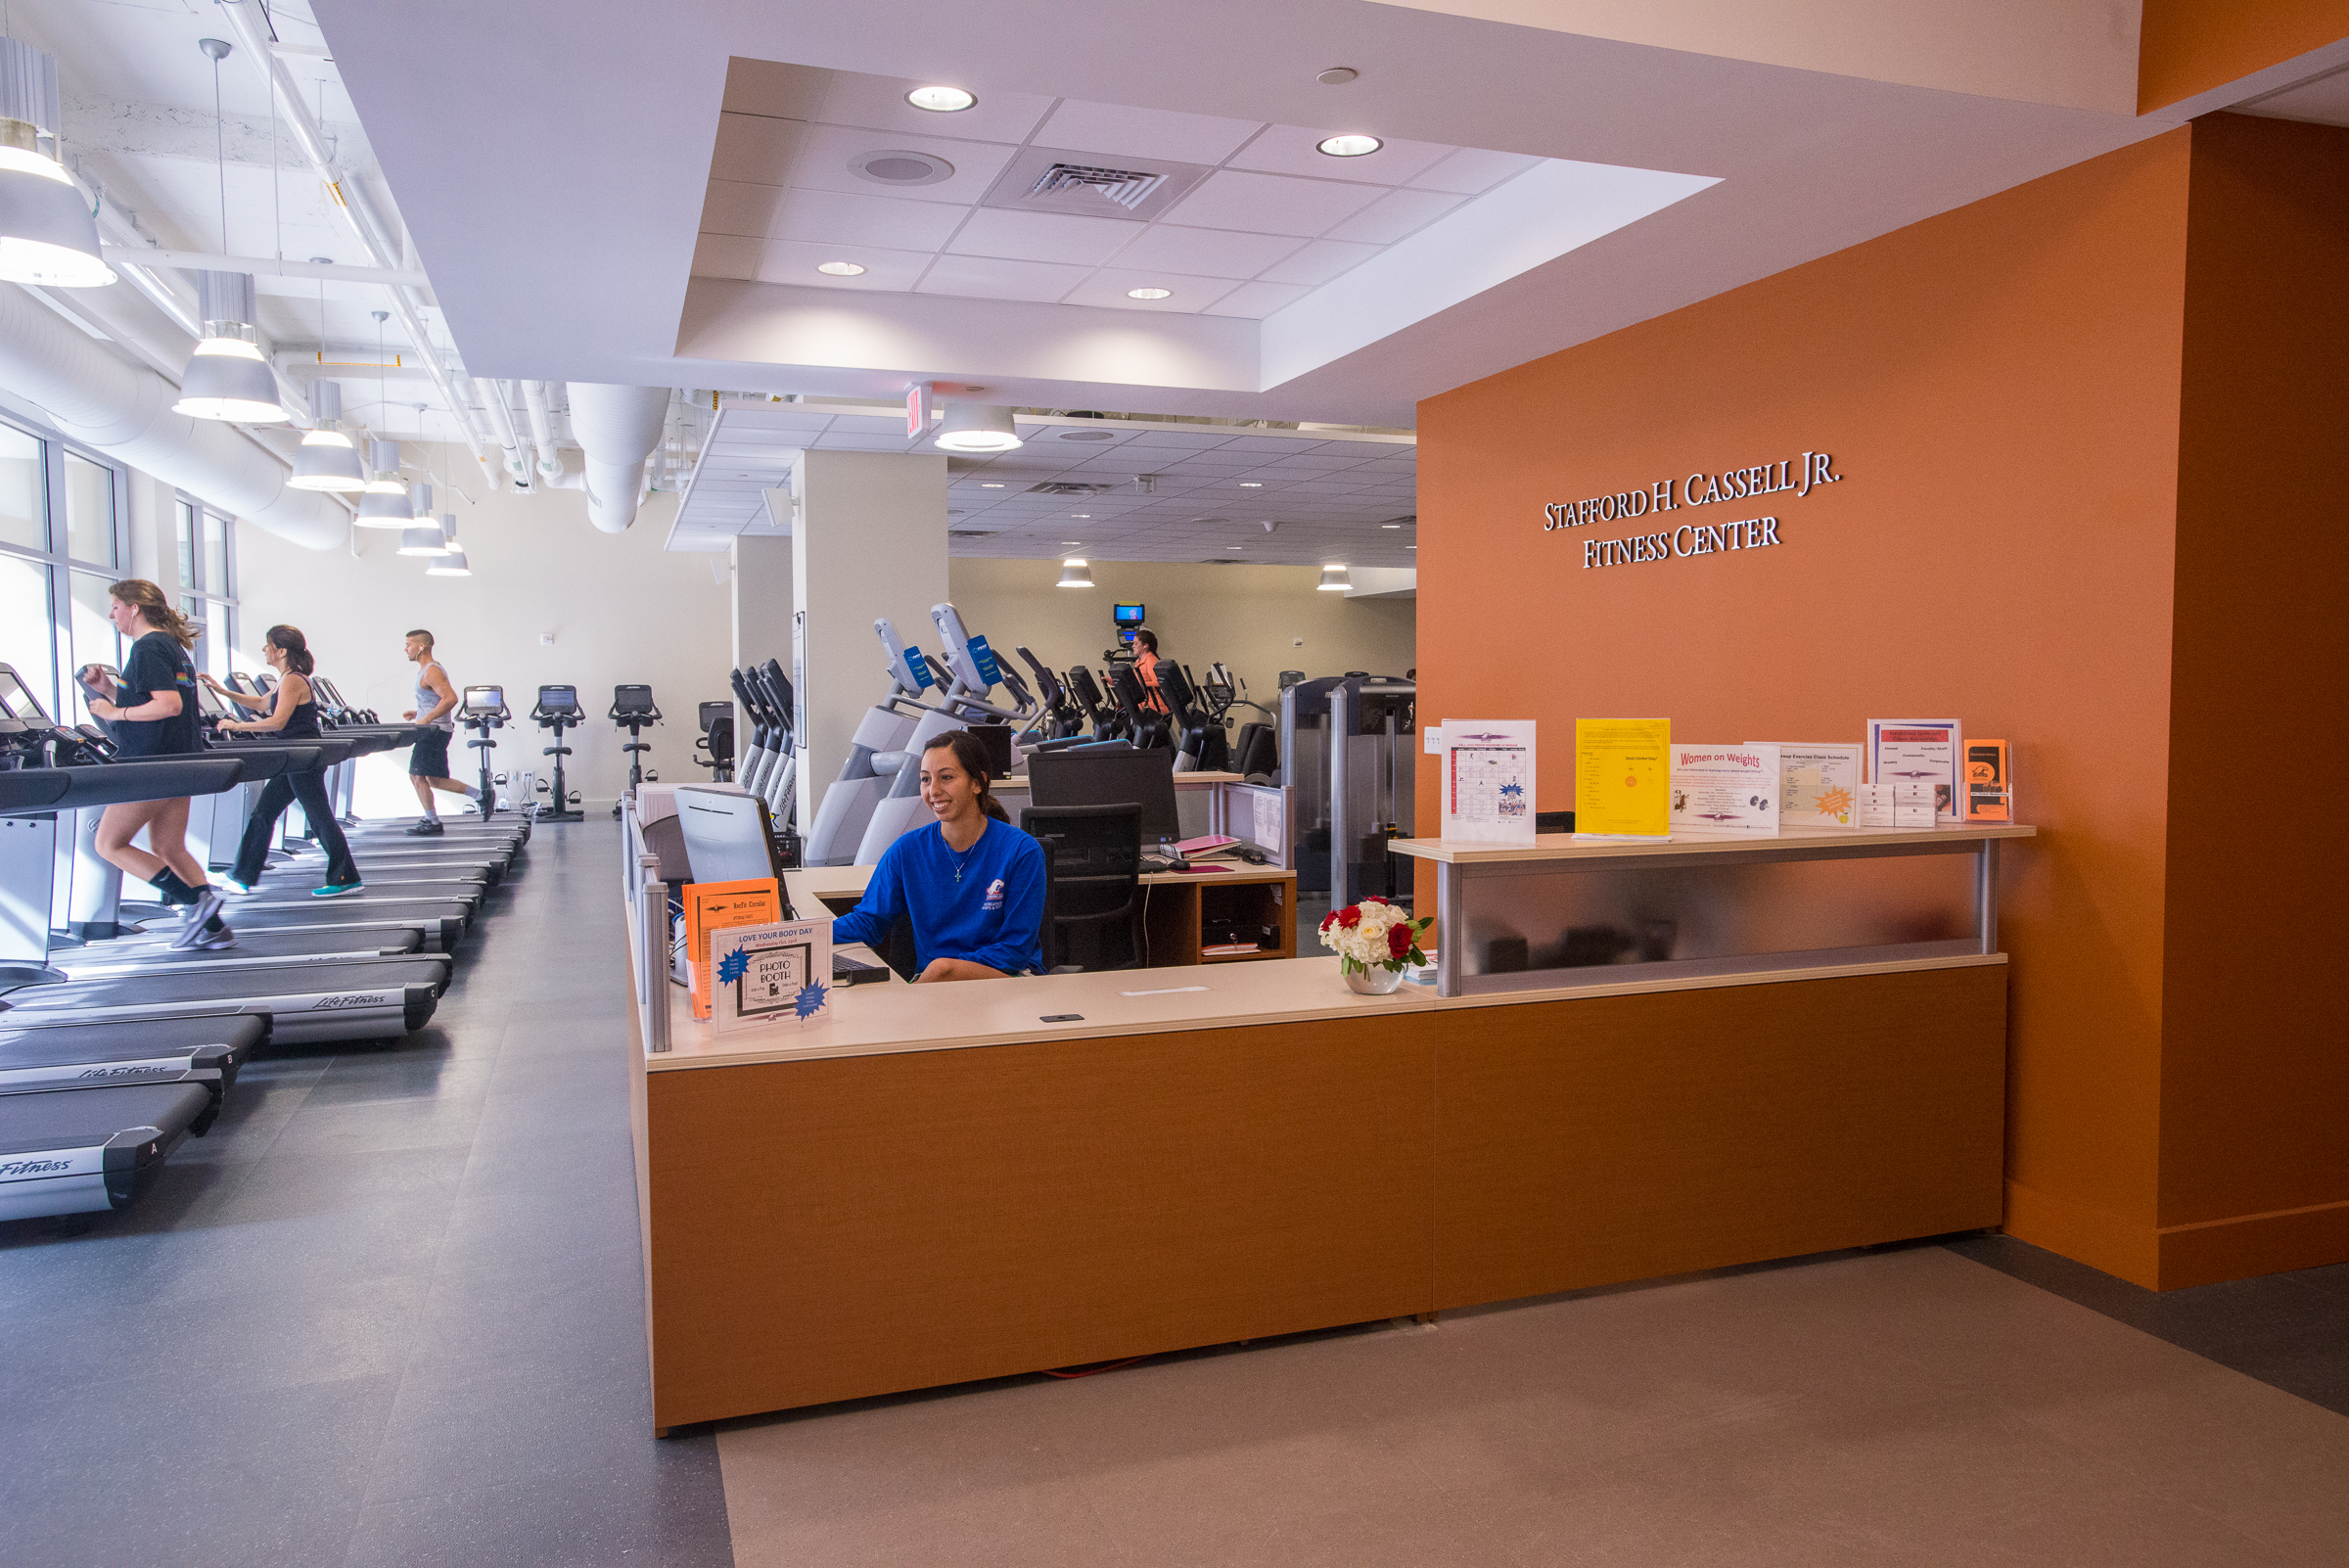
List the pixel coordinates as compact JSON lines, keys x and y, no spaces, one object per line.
{"x":995,"y":896}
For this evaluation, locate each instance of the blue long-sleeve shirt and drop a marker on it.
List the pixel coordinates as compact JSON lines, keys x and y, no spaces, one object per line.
{"x":991,"y":914}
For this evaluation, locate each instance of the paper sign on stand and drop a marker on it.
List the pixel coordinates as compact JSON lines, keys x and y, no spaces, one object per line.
{"x":772,"y":974}
{"x":1725,"y":789}
{"x":1918,"y":751}
{"x":1989,"y":781}
{"x":1489,"y":780}
{"x":711,"y":907}
{"x":1819,"y":784}
{"x":1623,"y":779}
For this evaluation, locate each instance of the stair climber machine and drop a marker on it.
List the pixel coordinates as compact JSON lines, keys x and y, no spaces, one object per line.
{"x":1200,"y":744}
{"x":1085,"y":692}
{"x":1140,"y":724}
{"x":715,"y":744}
{"x":634,"y":708}
{"x":757,"y":754}
{"x":558,"y":708}
{"x":1061,"y":722}
{"x":779,"y":785}
{"x":877,"y":796}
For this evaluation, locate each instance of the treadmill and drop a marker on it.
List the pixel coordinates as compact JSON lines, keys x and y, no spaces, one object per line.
{"x":78,"y":1150}
{"x":207,"y":1049}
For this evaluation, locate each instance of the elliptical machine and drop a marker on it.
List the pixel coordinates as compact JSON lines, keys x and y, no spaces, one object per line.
{"x":634,"y":708}
{"x":482,"y":708}
{"x":558,"y":708}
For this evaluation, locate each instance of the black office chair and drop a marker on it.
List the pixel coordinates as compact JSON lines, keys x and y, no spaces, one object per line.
{"x":1093,"y":885}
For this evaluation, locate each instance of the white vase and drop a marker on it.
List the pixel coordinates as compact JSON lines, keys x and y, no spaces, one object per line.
{"x":1379,"y":982}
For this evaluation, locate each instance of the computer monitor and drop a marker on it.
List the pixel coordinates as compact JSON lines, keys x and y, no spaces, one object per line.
{"x":729,"y":837}
{"x":1125,"y":615}
{"x":485,"y":698}
{"x":1104,"y":777}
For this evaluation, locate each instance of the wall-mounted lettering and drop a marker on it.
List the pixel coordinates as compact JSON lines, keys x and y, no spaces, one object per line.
{"x":1796,"y":476}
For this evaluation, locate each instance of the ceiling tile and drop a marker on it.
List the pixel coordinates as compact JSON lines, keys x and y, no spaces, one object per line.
{"x":879,"y":103}
{"x":1270,"y":204}
{"x":988,"y":278}
{"x":1279,"y":445}
{"x":1043,"y":237}
{"x":1189,"y":296}
{"x":822,"y":163}
{"x":1297,"y":149}
{"x":796,"y":261}
{"x":1396,"y":214}
{"x":1258,"y":300}
{"x":727,"y":255}
{"x":829,"y":218}
{"x":1205,"y":253}
{"x":1143,"y":133}
{"x":755,"y":148}
{"x":1197,"y":441}
{"x":772,"y":87}
{"x":1472,"y":171}
{"x":1318,"y":263}
{"x":734,"y":206}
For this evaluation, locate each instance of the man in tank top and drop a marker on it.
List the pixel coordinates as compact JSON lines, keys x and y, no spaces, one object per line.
{"x":435,"y":703}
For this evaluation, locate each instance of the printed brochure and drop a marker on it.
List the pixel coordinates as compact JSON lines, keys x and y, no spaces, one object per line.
{"x":1725,"y":789}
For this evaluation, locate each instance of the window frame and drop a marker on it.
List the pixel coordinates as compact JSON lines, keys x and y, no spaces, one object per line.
{"x":57,"y":560}
{"x":220,"y":604}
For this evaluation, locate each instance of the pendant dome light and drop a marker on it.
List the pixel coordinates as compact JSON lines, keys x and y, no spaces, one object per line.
{"x":227,"y":377}
{"x":328,"y":459}
{"x":423,"y":538}
{"x":1335,"y":580}
{"x":976,"y":427}
{"x":386,"y":503}
{"x":48,"y":228}
{"x":451,"y":563}
{"x":1075,"y":573}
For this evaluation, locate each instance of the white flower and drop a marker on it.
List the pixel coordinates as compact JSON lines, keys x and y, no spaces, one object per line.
{"x":1367,"y":942}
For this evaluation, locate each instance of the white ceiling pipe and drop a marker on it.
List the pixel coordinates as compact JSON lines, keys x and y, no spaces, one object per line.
{"x":351,"y":201}
{"x":617,"y":428}
{"x":124,"y":412}
{"x":262,"y":265}
{"x":542,"y":429}
{"x":500,"y":414}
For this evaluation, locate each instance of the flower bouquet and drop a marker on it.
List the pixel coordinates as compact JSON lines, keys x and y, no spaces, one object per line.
{"x":1375,"y":941}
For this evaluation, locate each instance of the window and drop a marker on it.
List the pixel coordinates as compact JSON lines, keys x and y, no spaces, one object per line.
{"x":207,"y":583}
{"x":61,"y":541}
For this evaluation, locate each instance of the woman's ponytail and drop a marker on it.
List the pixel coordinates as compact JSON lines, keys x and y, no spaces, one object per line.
{"x":150,"y":602}
{"x":290,"y":641}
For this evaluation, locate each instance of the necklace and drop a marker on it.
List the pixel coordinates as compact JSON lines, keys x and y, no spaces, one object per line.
{"x":961,"y":857}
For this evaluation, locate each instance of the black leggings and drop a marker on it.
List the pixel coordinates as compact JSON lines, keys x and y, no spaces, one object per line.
{"x":309,"y":788}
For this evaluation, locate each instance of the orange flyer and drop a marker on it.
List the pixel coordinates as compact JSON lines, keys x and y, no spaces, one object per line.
{"x":712,"y":906}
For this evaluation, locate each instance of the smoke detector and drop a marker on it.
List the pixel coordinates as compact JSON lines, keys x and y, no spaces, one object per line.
{"x":1056,"y":179}
{"x":895,"y":165}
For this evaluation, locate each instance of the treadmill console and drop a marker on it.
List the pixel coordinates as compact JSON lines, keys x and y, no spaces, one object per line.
{"x":19,"y":710}
{"x":1128,"y":619}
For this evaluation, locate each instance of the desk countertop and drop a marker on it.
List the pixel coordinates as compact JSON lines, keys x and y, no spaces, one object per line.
{"x":813,"y":884}
{"x":1571,"y":846}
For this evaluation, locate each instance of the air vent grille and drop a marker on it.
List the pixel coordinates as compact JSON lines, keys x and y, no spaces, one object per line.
{"x":1067,"y":488}
{"x":972,"y":534}
{"x":1130,"y":188}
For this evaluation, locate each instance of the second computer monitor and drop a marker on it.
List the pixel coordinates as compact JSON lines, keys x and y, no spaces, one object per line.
{"x":1145,"y":778}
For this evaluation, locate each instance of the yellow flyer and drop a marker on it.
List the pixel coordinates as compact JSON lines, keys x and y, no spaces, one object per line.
{"x":1623,"y":779}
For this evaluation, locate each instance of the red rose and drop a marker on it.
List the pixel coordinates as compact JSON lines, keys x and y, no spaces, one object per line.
{"x":1349,"y":917}
{"x":1327,"y":918}
{"x":1399,"y":941}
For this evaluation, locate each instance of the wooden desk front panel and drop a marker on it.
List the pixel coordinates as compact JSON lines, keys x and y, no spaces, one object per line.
{"x":1582,"y":1143}
{"x":828,"y":1229}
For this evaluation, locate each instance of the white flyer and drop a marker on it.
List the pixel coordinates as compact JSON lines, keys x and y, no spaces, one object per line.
{"x":1489,"y":780}
{"x":1725,"y":789}
{"x":1819,"y":784}
{"x":772,"y":975}
{"x":1918,"y":751}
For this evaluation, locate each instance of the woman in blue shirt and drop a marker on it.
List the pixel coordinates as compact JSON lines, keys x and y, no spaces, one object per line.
{"x":972,"y":885}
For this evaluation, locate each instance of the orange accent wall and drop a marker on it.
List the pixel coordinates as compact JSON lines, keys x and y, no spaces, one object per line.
{"x":2088,"y":432}
{"x":2186,"y":47}
{"x":1999,"y":388}
{"x":2255,"y":1075}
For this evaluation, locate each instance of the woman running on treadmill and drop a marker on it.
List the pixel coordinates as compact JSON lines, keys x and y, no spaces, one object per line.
{"x":1145,"y":664}
{"x":428,"y":763}
{"x":151,"y":712}
{"x":293,"y":717}
{"x":972,"y":885}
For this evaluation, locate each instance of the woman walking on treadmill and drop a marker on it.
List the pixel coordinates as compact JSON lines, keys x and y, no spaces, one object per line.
{"x":293,"y":717}
{"x":151,"y":712}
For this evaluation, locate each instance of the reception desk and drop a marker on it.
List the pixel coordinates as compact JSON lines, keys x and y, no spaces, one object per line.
{"x":944,"y":1184}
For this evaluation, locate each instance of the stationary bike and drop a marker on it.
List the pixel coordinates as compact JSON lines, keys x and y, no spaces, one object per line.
{"x":558,"y":708}
{"x":717,"y":740}
{"x":483,"y":708}
{"x":634,"y":708}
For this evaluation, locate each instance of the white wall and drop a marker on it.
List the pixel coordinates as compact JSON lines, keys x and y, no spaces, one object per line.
{"x":620,"y":607}
{"x":1250,"y":616}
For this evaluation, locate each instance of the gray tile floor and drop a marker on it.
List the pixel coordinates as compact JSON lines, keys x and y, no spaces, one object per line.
{"x":388,"y":1311}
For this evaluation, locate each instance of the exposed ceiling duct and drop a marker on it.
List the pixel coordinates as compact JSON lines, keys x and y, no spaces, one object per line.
{"x":617,"y":428}
{"x":125,"y":412}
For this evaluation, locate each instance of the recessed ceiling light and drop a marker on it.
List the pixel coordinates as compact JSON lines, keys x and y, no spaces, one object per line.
{"x":1251,"y":485}
{"x":1089,"y":434}
{"x":941,"y":100}
{"x":1149,"y":293}
{"x":1411,"y":547}
{"x":1351,"y":146}
{"x":1389,"y":524}
{"x":990,"y":485}
{"x":840,"y":269}
{"x":1082,"y":517}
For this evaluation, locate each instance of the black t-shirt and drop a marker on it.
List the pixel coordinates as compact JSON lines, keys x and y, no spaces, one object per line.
{"x":157,"y":663}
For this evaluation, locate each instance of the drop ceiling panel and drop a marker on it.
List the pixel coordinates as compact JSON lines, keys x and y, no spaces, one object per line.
{"x":1205,"y":253}
{"x":824,"y":152}
{"x":1270,"y":204}
{"x":1318,"y":263}
{"x":1108,"y":288}
{"x":733,"y":207}
{"x":1258,"y":300}
{"x":755,"y":148}
{"x":1472,"y":171}
{"x":1395,"y":215}
{"x":995,"y":278}
{"x":727,"y":255}
{"x":1128,"y":132}
{"x":834,"y":218}
{"x":877,"y":102}
{"x":1043,"y":237}
{"x":796,"y":261}
{"x":1296,"y":150}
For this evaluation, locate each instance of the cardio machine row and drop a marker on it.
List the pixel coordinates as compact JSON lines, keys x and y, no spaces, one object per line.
{"x":118,"y":1040}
